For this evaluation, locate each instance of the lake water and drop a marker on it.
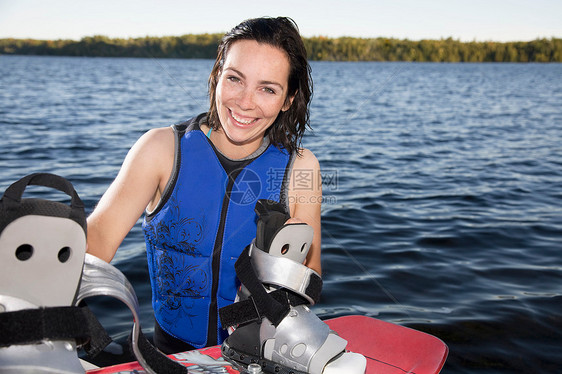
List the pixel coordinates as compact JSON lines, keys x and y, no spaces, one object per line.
{"x":442,"y":186}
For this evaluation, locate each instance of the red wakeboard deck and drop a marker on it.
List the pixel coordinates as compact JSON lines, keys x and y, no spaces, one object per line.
{"x":201,"y":361}
{"x":389,"y":349}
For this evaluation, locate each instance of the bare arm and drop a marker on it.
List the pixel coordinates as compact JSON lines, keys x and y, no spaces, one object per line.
{"x":305,"y":200}
{"x":140,"y":181}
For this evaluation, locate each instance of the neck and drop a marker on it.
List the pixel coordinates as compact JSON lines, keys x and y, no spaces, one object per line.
{"x":232,"y":150}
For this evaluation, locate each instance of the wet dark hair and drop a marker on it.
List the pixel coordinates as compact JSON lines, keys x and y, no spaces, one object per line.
{"x":281,"y":32}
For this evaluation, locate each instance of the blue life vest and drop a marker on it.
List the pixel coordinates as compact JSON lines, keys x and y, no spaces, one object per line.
{"x":201,"y":225}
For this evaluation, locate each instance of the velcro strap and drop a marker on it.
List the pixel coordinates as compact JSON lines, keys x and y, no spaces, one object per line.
{"x":247,"y":310}
{"x":54,"y":323}
{"x":265,"y":303}
{"x":156,"y":360}
{"x":286,"y":273}
{"x":274,"y":305}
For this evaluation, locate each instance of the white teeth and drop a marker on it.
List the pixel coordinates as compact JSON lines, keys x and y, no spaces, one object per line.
{"x":245,"y":122}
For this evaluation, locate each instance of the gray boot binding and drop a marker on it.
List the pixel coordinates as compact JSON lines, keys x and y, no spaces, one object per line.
{"x":42,"y":248}
{"x":44,"y":274}
{"x":270,"y":322}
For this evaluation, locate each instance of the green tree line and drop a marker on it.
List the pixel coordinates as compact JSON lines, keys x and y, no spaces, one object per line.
{"x":319,"y":48}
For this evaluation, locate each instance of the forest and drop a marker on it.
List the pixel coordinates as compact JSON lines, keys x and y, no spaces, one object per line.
{"x":204,"y":46}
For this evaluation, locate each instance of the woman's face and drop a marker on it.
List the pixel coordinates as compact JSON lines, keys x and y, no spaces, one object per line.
{"x":251,"y":91}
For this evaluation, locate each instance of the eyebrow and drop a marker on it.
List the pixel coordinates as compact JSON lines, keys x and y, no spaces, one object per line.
{"x":261,"y":82}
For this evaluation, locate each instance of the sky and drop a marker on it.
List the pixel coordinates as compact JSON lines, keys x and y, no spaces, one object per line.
{"x":466,"y":20}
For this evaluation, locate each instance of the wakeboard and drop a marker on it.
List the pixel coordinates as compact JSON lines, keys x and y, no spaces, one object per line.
{"x":389,"y":349}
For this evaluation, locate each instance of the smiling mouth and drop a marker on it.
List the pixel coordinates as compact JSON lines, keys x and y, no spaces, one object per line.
{"x":242,"y":121}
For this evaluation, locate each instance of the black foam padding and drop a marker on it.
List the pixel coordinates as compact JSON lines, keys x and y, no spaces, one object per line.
{"x":271,"y":217}
{"x":247,"y":339}
{"x":314,"y":287}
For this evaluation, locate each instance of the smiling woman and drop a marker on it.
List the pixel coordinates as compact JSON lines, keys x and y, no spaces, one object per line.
{"x":199,"y":181}
{"x":285,"y":45}
{"x":251,"y":92}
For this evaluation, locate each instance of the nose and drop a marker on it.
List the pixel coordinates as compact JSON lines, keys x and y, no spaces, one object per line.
{"x":245,"y":99}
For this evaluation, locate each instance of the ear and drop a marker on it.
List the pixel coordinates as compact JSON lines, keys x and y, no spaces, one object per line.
{"x":288,"y":102}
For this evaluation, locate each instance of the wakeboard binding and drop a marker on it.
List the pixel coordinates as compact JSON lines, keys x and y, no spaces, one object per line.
{"x":270,"y":323}
{"x":45,"y":273}
{"x":42,"y":249}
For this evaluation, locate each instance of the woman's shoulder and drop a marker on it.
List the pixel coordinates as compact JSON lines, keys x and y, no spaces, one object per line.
{"x":306,"y":159}
{"x":157,"y":139}
{"x":159,"y":134}
{"x":163,"y":139}
{"x":154,"y":147}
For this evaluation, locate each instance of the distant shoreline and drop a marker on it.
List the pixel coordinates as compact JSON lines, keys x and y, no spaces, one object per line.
{"x":319,"y":48}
